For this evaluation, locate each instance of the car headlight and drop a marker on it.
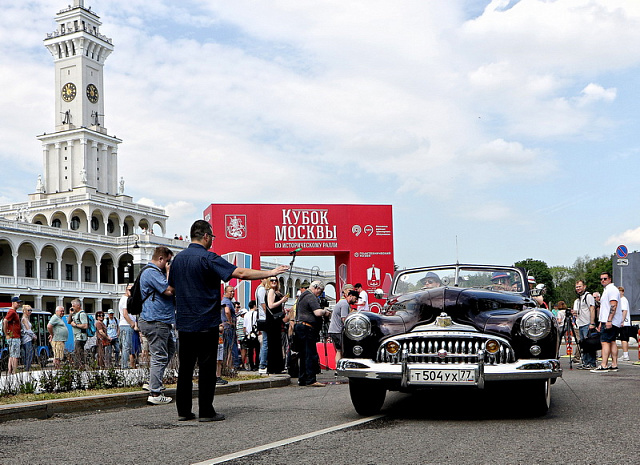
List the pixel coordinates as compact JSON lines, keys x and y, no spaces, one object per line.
{"x":357,"y":327}
{"x":536,"y":325}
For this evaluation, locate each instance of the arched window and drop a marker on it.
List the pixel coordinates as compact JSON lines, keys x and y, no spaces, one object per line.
{"x":125,"y":229}
{"x":110,"y":227}
{"x":75,"y":223}
{"x":56,"y":223}
{"x":95,"y":224}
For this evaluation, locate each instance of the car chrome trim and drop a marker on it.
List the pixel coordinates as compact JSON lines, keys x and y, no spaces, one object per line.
{"x":523,"y":369}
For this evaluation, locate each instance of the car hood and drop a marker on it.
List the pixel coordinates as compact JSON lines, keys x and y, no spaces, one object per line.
{"x":485,"y":310}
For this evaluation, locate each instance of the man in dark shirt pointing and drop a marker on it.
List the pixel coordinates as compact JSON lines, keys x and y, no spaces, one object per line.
{"x":196,"y":276}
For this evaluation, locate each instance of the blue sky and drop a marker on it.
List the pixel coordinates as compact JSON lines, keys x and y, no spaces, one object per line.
{"x":509,"y":127}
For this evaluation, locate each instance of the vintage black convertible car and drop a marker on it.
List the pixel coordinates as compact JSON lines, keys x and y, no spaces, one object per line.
{"x":458,"y":325}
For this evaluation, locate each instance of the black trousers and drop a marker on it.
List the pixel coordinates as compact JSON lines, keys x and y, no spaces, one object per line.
{"x":201,"y":347}
{"x":307,"y":352}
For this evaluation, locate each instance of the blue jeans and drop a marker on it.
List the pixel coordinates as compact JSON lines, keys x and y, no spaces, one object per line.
{"x":112,"y":353}
{"x":27,"y":348}
{"x":263,"y":352}
{"x":161,"y":349}
{"x":126,"y":333}
{"x":587,"y":359}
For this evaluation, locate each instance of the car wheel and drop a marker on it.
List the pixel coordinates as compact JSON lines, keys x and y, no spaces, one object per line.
{"x":367,"y":396}
{"x":539,"y":396}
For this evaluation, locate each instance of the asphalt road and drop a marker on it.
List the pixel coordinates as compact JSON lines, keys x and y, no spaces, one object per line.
{"x":593,"y":419}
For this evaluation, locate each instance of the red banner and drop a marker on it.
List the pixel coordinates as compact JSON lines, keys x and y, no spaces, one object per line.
{"x":360,"y":237}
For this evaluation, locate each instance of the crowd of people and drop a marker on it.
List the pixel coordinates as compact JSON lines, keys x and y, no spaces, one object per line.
{"x":272,"y":338}
{"x":596,"y":321}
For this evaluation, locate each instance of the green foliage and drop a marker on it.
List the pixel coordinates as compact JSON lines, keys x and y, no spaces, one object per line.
{"x":49,"y":381}
{"x":97,"y":380}
{"x":28,"y":387}
{"x":65,"y":378}
{"x":584,"y":268}
{"x":540,"y":270}
{"x":114,"y":378}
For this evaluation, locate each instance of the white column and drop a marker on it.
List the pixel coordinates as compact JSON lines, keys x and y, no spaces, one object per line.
{"x":105,"y":172}
{"x":59,"y":260}
{"x":79,"y":262}
{"x":96,"y":153}
{"x":38,"y":271}
{"x":58,"y":177}
{"x":15,"y":268}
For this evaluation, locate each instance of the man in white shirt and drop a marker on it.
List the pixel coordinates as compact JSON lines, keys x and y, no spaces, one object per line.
{"x":626,"y":330}
{"x":584,"y":309}
{"x":610,"y":322}
{"x":363,"y":300}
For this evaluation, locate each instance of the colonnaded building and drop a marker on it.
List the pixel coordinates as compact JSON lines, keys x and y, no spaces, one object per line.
{"x":79,"y":235}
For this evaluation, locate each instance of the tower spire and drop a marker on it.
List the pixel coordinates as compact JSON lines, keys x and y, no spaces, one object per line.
{"x":79,"y":154}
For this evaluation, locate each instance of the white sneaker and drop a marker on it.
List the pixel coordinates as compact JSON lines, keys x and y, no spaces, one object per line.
{"x":159,"y":400}
{"x":625,"y":358}
{"x":262,"y":371}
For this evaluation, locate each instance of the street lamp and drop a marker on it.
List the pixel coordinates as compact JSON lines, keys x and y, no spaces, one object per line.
{"x":128,"y":265}
{"x":317,"y":272}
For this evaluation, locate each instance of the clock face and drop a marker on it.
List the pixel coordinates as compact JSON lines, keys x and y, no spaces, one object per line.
{"x":68,"y":91}
{"x":92,"y":93}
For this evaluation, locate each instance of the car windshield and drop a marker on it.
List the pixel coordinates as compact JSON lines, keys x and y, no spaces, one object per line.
{"x":492,"y":278}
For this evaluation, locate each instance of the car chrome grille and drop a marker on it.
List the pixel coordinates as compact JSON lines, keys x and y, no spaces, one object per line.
{"x":459,"y":349}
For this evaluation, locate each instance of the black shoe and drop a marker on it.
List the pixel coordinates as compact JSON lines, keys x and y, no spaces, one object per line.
{"x":191,"y":416}
{"x":216,"y":417}
{"x":221,"y":382}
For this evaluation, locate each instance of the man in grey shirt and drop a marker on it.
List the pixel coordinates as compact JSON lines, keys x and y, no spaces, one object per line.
{"x":340,"y":312}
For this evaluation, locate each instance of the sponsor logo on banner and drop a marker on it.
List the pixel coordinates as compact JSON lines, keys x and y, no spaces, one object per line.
{"x":235,"y":226}
{"x":373,"y":277}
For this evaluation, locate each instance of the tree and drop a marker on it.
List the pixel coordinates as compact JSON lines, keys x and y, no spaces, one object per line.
{"x":540,"y":270}
{"x":592,"y":269}
{"x":564,"y":279}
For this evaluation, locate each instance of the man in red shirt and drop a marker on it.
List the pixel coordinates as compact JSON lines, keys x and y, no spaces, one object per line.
{"x":11,"y":328}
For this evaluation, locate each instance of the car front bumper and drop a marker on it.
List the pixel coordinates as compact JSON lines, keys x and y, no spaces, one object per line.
{"x":524,"y":369}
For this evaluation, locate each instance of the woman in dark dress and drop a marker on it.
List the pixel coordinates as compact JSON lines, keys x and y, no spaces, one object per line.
{"x":275,"y":312}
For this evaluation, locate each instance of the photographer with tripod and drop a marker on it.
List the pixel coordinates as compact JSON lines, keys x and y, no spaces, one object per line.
{"x":584,"y":309}
{"x":567,"y":330}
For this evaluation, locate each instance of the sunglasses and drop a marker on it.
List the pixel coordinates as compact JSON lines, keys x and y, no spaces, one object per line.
{"x":273,"y":280}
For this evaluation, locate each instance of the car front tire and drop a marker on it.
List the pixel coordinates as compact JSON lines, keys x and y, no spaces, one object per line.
{"x":538,"y":396}
{"x":367,"y":396}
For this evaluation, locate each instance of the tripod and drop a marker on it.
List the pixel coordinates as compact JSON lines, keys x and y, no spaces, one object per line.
{"x":569,"y":332}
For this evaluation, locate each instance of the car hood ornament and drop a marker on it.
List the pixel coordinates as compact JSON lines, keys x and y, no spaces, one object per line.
{"x":443,"y":320}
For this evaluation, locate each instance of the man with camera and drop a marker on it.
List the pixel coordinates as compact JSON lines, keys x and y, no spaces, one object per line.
{"x":584,"y":309}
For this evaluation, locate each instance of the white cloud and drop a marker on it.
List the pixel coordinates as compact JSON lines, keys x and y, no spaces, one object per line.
{"x":628,"y":237}
{"x":596,"y":93}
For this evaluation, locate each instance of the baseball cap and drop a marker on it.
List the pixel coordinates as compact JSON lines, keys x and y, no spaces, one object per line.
{"x":16,"y":299}
{"x":111,"y":311}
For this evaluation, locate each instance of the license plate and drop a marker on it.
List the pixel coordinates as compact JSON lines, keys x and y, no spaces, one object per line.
{"x":453,"y":376}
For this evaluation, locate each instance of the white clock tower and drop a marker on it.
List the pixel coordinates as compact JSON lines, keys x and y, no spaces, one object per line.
{"x":79,"y":154}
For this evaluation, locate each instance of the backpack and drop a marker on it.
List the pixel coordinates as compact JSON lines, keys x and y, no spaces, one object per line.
{"x":91,"y":324}
{"x":135,"y":300}
{"x":91,"y":328}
